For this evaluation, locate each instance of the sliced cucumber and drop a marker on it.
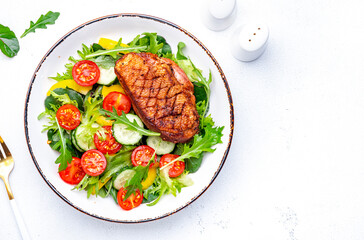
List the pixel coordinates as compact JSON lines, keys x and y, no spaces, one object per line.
{"x":83,"y":139}
{"x":124,"y":176}
{"x":74,"y":142}
{"x":161,"y":147}
{"x":124,"y":135}
{"x":107,"y":76}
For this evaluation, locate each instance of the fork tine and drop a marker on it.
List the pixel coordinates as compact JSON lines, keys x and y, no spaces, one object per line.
{"x":6,"y":150}
{"x":1,"y":156}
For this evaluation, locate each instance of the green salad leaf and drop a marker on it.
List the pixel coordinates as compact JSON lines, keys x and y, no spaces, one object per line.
{"x":114,"y":52}
{"x":58,"y":138}
{"x":61,"y":96}
{"x":130,"y":125}
{"x":9,"y":43}
{"x":66,"y":156}
{"x":117,"y":162}
{"x":164,"y":185}
{"x":42,"y":22}
{"x":65,"y":75}
{"x":154,"y":43}
{"x":179,"y":54}
{"x":135,"y":182}
{"x":200,"y":144}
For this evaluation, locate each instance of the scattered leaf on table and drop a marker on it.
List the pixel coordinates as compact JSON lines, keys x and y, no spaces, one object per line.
{"x":43,"y":20}
{"x":9,"y":44}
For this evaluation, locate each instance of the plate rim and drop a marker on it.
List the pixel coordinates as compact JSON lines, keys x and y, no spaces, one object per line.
{"x":160,"y":20}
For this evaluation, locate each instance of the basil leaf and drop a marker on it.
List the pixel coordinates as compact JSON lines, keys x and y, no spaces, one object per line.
{"x":43,"y":20}
{"x":9,"y":44}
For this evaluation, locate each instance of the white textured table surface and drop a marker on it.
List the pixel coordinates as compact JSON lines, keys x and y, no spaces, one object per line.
{"x":296,"y":167}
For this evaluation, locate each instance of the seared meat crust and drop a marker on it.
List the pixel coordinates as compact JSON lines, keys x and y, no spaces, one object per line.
{"x":161,"y":95}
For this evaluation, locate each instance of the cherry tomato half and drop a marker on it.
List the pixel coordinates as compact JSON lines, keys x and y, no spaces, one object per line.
{"x":177,"y":167}
{"x":141,"y":155}
{"x":93,"y":162}
{"x":74,"y":173}
{"x":105,"y":141}
{"x":68,"y":116}
{"x":85,"y":73}
{"x":133,"y":201}
{"x":117,"y":100}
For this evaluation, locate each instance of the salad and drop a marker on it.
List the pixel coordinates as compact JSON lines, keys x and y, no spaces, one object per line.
{"x":104,"y":147}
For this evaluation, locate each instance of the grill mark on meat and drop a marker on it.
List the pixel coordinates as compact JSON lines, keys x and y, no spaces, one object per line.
{"x":161,"y":95}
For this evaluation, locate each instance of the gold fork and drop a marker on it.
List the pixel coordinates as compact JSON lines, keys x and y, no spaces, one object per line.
{"x":6,"y":166}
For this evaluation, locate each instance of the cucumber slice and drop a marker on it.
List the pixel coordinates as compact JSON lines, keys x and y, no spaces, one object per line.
{"x":74,"y":142}
{"x":124,"y":176}
{"x":161,"y":147}
{"x":83,"y":139}
{"x":124,"y":135}
{"x":107,"y":76}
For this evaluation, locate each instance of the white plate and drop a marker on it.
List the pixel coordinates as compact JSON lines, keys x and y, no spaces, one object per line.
{"x":126,"y":26}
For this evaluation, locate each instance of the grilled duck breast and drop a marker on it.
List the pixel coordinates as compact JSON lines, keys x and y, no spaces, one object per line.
{"x":161,"y":95}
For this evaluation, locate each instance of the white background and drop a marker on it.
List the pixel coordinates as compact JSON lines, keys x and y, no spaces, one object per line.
{"x":296,"y":167}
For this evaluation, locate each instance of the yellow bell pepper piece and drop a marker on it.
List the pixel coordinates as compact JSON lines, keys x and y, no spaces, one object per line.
{"x":109,"y":44}
{"x":113,"y":88}
{"x":70,"y":83}
{"x":102,"y":121}
{"x":152,"y":174}
{"x":104,"y":92}
{"x":101,"y":184}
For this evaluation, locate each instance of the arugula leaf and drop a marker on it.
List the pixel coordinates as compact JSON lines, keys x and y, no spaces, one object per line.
{"x":153,"y":44}
{"x":83,"y":53}
{"x":134,"y":42}
{"x":130,"y":125}
{"x":66,"y":156}
{"x":43,"y":20}
{"x":9,"y":44}
{"x":135,"y":182}
{"x":115,"y":51}
{"x":141,"y":173}
{"x":200,"y":144}
{"x":180,"y":55}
